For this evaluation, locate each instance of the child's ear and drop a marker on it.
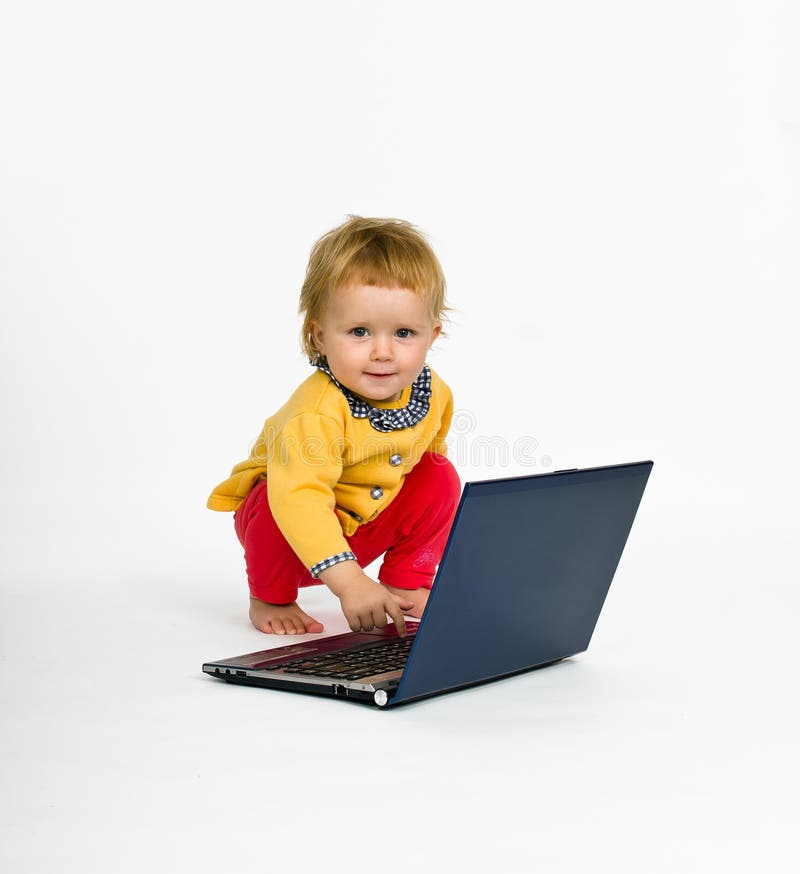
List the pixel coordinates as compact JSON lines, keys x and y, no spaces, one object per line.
{"x":315,"y":331}
{"x":437,"y":329}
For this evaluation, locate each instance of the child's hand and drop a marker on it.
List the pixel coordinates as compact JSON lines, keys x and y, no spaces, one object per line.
{"x":365,"y":603}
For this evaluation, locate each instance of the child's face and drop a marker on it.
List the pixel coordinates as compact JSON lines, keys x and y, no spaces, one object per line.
{"x":375,"y":338}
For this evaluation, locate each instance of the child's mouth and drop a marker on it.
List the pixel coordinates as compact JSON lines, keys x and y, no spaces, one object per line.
{"x":380,"y":375}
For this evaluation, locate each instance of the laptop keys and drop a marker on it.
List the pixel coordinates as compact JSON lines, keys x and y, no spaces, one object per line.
{"x":376,"y":659}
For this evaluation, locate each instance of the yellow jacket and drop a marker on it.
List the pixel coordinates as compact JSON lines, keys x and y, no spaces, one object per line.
{"x":327,"y":471}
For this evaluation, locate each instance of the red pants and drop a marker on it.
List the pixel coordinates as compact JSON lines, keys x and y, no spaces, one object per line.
{"x":411,"y":531}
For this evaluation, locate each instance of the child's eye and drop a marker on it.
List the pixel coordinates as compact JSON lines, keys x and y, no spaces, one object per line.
{"x":404,"y":333}
{"x":359,"y":332}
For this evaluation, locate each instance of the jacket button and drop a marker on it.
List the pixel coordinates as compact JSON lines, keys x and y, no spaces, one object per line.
{"x":376,"y":493}
{"x":394,"y":460}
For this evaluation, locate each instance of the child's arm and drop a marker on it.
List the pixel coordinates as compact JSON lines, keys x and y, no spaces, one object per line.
{"x":365,"y":603}
{"x":438,"y":443}
{"x":306,"y":466}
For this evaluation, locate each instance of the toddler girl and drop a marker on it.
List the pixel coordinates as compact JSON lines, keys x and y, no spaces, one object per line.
{"x":353,"y":465}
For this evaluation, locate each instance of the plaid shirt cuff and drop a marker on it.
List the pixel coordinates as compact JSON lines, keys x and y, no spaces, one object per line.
{"x":330,"y":562}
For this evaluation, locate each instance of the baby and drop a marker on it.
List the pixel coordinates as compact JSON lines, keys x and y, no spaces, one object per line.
{"x":353,"y":465}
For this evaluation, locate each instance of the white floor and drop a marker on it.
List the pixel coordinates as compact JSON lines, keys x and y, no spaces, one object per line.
{"x":671,"y":745}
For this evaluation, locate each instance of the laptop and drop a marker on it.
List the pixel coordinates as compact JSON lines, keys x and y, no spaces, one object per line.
{"x":521,"y":584}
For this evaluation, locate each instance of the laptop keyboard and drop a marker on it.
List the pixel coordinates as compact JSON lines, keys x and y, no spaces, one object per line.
{"x":356,"y":663}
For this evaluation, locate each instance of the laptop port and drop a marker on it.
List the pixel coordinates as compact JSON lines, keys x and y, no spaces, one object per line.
{"x":338,"y":689}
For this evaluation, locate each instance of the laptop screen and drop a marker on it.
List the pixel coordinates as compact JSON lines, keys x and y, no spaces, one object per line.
{"x":525,"y":574}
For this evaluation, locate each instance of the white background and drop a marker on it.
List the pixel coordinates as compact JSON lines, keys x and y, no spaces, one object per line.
{"x":612,"y":189}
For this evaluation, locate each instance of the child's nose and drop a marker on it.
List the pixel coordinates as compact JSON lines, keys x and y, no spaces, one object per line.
{"x":381,"y":348}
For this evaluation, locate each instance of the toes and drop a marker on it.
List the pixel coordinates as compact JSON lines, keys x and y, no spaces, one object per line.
{"x":309,"y":624}
{"x":265,"y":626}
{"x":294,"y":625}
{"x":277,"y":626}
{"x":272,"y":621}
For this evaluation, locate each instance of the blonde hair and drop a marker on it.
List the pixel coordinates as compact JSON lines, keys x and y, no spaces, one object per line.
{"x":373,"y":251}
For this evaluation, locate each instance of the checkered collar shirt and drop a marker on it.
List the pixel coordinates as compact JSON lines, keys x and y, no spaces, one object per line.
{"x":388,"y":420}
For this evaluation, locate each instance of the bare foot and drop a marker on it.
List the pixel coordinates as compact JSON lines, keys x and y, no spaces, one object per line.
{"x":418,"y":597}
{"x":282,"y":618}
